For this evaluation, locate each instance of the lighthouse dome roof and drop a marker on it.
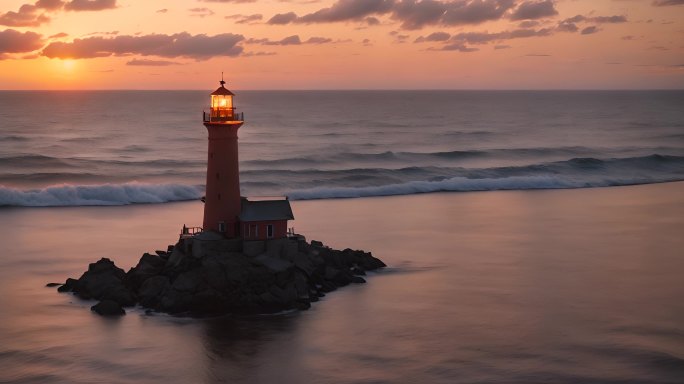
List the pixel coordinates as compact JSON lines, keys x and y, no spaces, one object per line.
{"x":222,"y":91}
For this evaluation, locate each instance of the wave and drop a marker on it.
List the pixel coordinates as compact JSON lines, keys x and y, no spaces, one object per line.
{"x":464,"y":184}
{"x":407,"y":157}
{"x":573,"y":173}
{"x":366,"y":182}
{"x":106,"y":194}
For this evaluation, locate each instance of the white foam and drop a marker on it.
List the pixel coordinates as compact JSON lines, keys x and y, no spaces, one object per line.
{"x":106,"y":194}
{"x":461,"y":184}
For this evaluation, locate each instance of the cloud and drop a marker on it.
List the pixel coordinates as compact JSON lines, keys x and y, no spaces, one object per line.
{"x":537,"y":9}
{"x":435,"y":36}
{"x":27,"y":16}
{"x":151,"y":63}
{"x":458,"y":46}
{"x":59,"y":35}
{"x":201,"y":12}
{"x":665,"y":3}
{"x":32,"y":15}
{"x":344,"y":10}
{"x":318,"y":40}
{"x":291,"y":40}
{"x":503,"y":46}
{"x":566,"y":26}
{"x":259,"y":53}
{"x":228,"y":1}
{"x":417,"y":14}
{"x":50,"y":5}
{"x":246,"y":19}
{"x":413,"y":14}
{"x":12,"y":41}
{"x":163,"y":10}
{"x":90,"y":5}
{"x":528,"y":24}
{"x":283,"y":18}
{"x":198,"y":47}
{"x":608,"y":19}
{"x":486,"y":37}
{"x":590,"y":30}
{"x":597,"y":19}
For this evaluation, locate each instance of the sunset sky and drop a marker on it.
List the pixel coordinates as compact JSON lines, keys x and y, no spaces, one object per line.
{"x":342,"y":44}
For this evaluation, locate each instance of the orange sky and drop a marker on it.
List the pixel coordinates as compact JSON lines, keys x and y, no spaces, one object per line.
{"x":342,"y":44}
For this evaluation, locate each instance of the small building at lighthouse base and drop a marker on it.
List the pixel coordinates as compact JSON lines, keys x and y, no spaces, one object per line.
{"x":264,"y":219}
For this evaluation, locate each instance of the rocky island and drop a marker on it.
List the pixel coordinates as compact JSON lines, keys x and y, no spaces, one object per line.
{"x":208,"y":274}
{"x":244,"y":258}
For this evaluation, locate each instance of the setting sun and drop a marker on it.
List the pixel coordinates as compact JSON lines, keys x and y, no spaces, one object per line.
{"x":68,"y":64}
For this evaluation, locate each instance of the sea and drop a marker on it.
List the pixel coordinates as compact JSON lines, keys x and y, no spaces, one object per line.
{"x":530,"y":236}
{"x":125,"y":147}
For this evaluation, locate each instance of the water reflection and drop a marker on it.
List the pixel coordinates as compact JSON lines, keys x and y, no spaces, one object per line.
{"x":250,"y":348}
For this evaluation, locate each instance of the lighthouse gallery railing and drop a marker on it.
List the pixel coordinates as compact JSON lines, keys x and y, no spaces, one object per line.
{"x":221,"y":115}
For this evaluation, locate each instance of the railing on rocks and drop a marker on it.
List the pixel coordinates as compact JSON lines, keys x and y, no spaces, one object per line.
{"x":190,"y":231}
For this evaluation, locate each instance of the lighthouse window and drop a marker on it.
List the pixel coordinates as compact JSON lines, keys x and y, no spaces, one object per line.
{"x":222,"y":226}
{"x":217,"y":175}
{"x":269,"y":231}
{"x":219,"y":196}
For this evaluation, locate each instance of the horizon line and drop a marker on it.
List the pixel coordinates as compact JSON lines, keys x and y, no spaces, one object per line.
{"x":356,"y":90}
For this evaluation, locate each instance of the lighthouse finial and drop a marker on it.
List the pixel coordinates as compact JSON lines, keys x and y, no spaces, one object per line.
{"x":222,"y":82}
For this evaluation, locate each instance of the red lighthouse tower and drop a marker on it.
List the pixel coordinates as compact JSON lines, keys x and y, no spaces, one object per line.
{"x":222,"y":199}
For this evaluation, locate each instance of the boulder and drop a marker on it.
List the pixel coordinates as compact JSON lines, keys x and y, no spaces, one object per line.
{"x":100,"y":277}
{"x":108,"y":308}
{"x":68,"y":285}
{"x":151,"y":291}
{"x":148,"y":266}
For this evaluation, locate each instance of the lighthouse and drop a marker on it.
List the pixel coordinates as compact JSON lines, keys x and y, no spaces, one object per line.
{"x":225,"y":210}
{"x":222,"y":198}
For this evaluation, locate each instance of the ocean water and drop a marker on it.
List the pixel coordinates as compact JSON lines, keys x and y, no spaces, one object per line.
{"x":122,"y":147}
{"x":580,"y":286}
{"x":546,"y":266}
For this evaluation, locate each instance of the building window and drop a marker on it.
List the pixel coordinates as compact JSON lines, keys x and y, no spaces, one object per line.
{"x":254,"y":230}
{"x":269,"y":231}
{"x":222,"y":226}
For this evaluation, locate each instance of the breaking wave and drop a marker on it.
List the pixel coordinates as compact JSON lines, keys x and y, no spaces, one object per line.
{"x":106,"y":194}
{"x":321,"y":184}
{"x":463,"y":184}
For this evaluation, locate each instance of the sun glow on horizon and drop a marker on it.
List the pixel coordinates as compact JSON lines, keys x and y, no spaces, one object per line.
{"x":68,"y":64}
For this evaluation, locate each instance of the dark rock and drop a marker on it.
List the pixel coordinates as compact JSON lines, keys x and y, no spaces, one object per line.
{"x":100,"y":277}
{"x":152,"y":289}
{"x":121,"y":295}
{"x":68,"y":286}
{"x":52,"y":285}
{"x":290,"y":275}
{"x":108,"y":308}
{"x":148,"y":266}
